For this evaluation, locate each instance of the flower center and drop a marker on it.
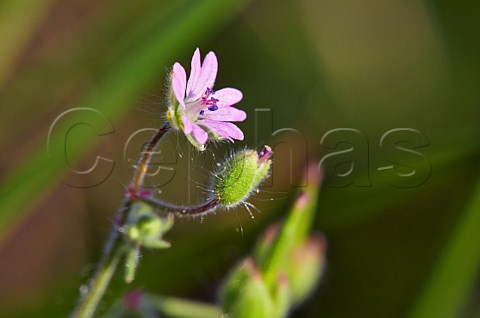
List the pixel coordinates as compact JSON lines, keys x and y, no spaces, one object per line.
{"x":198,"y":107}
{"x":209,"y":101}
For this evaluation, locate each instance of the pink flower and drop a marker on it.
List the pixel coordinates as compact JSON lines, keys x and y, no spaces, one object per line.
{"x":199,"y":110}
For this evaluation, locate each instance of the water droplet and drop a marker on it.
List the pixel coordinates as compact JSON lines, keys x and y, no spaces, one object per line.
{"x":258,"y":190}
{"x":83,"y":290}
{"x":218,"y":164}
{"x":249,"y":212}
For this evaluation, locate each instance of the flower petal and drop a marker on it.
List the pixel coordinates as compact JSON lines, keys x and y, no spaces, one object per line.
{"x":195,"y":71}
{"x":223,"y":129}
{"x":187,"y":125}
{"x":227,"y":96}
{"x":226,"y":114}
{"x":207,"y":76}
{"x":179,"y":79}
{"x":200,"y":135}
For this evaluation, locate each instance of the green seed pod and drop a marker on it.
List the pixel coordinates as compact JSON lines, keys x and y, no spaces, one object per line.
{"x":241,"y":175}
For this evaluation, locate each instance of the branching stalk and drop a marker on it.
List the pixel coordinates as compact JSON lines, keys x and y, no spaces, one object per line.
{"x":115,"y":248}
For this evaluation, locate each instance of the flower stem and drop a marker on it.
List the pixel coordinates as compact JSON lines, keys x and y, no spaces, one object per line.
{"x":182,"y":211}
{"x":99,"y":282}
{"x":149,"y":305}
{"x":147,"y":156}
{"x":174,"y":307}
{"x":115,"y":247}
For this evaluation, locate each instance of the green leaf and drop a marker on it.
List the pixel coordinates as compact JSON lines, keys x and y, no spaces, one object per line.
{"x":18,"y":21}
{"x":446,"y":291}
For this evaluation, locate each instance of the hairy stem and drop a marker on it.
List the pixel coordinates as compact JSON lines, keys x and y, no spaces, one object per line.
{"x":174,"y":307}
{"x":99,"y":282}
{"x":147,"y":156}
{"x":182,"y":211}
{"x":115,"y":247}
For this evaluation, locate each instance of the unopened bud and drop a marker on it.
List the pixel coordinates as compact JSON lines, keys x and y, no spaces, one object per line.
{"x":245,"y":294}
{"x":264,"y":246}
{"x":282,"y":296}
{"x":305,"y":268}
{"x":241,"y":175}
{"x":145,"y":228}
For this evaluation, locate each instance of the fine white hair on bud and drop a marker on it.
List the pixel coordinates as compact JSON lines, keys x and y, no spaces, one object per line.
{"x":241,"y":175}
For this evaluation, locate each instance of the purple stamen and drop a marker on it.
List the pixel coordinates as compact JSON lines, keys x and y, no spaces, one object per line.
{"x":210,"y":101}
{"x":209,"y":91}
{"x":202,"y":112}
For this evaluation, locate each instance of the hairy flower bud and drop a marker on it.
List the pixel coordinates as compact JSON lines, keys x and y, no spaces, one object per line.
{"x":241,"y":175}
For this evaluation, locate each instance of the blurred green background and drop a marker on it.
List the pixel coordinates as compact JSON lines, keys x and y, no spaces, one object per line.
{"x":316,"y":66}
